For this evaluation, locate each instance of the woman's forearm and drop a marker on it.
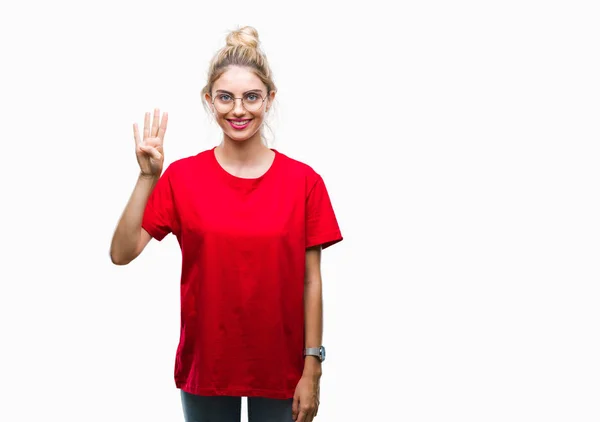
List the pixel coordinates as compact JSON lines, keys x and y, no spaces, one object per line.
{"x":313,"y":323}
{"x":126,"y":238}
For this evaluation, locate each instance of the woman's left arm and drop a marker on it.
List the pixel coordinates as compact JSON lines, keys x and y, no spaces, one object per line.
{"x":306,"y":398}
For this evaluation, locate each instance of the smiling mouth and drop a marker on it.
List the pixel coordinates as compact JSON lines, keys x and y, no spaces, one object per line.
{"x":239,"y":124}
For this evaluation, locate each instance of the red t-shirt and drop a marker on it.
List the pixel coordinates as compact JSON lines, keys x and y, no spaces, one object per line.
{"x":243,"y":244}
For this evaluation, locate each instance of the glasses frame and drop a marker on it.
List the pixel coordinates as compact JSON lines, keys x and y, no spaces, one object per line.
{"x":243,"y":105}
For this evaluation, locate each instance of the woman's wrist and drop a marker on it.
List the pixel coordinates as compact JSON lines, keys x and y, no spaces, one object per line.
{"x":312,"y":367}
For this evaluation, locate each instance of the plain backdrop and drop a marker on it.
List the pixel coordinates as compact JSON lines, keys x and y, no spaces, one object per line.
{"x":458,"y":141}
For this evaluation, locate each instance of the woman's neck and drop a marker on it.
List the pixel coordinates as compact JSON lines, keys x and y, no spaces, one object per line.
{"x":249,"y":151}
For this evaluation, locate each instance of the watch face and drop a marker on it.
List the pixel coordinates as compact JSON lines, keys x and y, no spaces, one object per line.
{"x":322,"y":353}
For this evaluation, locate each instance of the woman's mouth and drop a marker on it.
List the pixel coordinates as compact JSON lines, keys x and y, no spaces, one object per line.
{"x":239,"y":124}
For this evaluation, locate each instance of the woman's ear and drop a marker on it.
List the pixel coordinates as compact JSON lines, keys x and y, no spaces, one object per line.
{"x":208,"y":100}
{"x":271,"y":98}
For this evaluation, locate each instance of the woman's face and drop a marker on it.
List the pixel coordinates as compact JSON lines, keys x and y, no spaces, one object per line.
{"x":239,"y":121}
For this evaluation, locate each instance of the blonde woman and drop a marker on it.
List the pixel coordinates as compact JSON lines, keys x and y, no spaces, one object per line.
{"x":251,"y":223}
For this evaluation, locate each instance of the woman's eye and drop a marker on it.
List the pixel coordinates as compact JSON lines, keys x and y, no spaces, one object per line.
{"x":224,"y":97}
{"x":252,"y":97}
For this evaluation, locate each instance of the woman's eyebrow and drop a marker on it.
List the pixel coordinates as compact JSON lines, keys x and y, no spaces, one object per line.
{"x":227,"y":92}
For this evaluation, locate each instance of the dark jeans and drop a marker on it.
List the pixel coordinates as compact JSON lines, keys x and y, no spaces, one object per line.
{"x":229,"y":409}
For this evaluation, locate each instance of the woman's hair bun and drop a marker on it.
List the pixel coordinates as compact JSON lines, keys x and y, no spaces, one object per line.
{"x":243,"y":37}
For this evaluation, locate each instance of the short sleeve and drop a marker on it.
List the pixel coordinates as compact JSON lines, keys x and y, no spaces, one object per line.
{"x":159,"y":215}
{"x":321,"y":224}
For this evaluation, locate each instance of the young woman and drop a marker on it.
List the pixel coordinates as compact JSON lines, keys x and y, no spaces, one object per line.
{"x":251,"y":223}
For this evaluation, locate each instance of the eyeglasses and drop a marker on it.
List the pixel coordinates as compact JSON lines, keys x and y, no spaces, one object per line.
{"x":224,"y":103}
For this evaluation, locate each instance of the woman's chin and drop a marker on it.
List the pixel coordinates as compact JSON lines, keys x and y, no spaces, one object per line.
{"x":239,"y":136}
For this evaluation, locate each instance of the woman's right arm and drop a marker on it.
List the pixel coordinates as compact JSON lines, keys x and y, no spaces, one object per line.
{"x":130,"y":239}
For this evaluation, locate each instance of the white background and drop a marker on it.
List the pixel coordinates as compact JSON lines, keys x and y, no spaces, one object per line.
{"x":459,"y":144}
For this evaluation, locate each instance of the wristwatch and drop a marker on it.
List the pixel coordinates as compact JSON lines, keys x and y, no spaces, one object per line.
{"x":319,"y":352}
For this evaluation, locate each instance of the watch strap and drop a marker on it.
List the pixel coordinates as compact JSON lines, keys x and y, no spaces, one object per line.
{"x":312,"y":351}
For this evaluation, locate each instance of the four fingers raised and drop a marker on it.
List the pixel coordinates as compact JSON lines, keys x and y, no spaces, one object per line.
{"x":156,"y":131}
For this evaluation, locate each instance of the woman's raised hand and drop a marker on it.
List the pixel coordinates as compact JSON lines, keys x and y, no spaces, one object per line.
{"x":149,"y":151}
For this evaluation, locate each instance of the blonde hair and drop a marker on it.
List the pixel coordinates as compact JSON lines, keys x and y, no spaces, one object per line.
{"x":242,"y":49}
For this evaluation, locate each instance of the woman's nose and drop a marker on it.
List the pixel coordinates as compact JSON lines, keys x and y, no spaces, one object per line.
{"x":238,"y":106}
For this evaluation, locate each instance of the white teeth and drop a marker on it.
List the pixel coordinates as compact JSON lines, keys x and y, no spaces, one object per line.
{"x":240,"y":123}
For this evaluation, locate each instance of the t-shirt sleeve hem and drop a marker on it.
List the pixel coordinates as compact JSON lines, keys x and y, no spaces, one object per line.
{"x":154,"y":232}
{"x":325,"y":240}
